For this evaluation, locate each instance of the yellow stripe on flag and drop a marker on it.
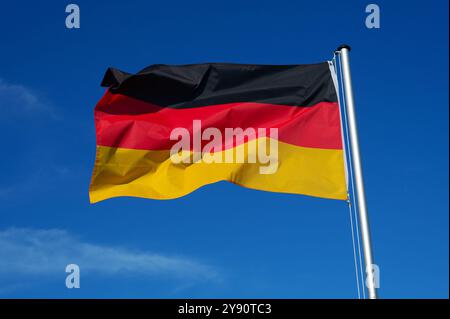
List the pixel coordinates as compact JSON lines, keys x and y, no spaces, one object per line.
{"x":152,"y":174}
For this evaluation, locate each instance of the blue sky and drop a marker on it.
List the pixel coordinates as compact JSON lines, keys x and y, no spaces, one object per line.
{"x":222,"y":240}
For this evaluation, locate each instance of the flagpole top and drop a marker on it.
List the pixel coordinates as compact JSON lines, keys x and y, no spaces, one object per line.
{"x":343,"y":46}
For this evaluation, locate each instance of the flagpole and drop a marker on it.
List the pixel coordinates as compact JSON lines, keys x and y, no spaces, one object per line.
{"x":343,"y":51}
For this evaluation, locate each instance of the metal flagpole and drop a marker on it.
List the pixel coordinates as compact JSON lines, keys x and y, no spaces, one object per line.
{"x":343,"y":51}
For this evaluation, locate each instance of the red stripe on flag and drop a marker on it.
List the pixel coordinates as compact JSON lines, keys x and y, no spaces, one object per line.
{"x":126,"y":122}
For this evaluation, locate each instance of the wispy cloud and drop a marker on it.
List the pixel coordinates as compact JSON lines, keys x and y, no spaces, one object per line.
{"x":47,"y":252}
{"x":22,"y":100}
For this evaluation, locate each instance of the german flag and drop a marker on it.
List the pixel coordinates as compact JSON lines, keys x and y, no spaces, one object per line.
{"x":136,"y":119}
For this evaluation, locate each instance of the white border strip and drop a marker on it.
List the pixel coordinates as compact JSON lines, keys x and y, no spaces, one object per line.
{"x":341,"y":120}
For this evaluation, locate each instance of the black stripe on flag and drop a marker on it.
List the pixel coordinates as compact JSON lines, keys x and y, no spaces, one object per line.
{"x":195,"y":85}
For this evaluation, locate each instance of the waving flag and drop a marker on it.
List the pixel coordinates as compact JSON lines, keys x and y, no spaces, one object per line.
{"x":168,"y":130}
